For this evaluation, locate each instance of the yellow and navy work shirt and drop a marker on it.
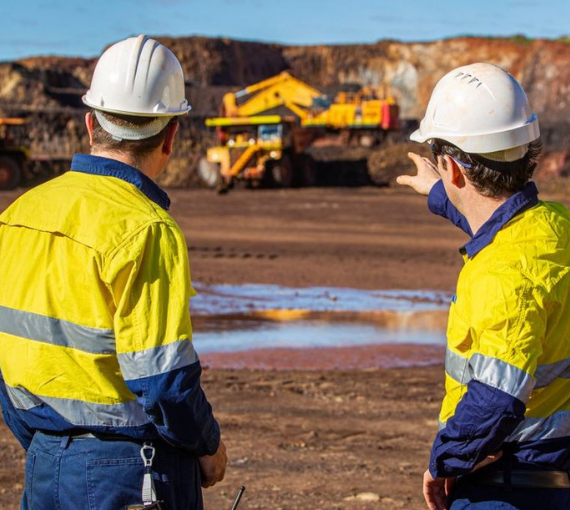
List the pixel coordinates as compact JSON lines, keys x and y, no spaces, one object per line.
{"x":508,"y":340}
{"x":95,"y":331}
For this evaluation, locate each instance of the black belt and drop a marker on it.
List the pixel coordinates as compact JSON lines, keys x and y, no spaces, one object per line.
{"x":89,"y":435}
{"x":518,"y":478}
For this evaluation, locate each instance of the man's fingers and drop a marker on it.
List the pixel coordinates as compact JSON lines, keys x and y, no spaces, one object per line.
{"x":421,"y":161}
{"x":449,"y":484}
{"x":211,"y":479}
{"x":434,"y":492}
{"x":434,"y":498}
{"x":213,"y":467}
{"x":488,"y":460}
{"x":416,"y":158}
{"x":425,"y":178}
{"x":404,"y":180}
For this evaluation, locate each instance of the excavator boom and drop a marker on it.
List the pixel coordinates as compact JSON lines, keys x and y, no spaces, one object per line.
{"x":281,"y":90}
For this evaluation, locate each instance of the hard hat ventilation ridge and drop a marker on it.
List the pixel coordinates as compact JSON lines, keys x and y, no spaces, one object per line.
{"x":474,"y":79}
{"x":134,"y":62}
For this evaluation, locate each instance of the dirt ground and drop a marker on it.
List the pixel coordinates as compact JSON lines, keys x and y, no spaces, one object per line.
{"x":370,"y":238}
{"x":311,"y":439}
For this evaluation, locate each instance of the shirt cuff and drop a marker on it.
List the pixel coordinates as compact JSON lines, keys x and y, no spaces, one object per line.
{"x":437,"y":198}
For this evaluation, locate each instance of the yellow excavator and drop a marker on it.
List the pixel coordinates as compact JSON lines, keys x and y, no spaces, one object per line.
{"x":265,"y":129}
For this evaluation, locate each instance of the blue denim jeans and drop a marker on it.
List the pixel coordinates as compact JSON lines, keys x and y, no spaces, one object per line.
{"x":93,"y":474}
{"x":467,"y":495}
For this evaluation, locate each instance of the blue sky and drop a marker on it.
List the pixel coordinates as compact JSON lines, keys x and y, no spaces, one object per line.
{"x":84,"y":28}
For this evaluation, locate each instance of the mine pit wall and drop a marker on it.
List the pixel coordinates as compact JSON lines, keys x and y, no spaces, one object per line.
{"x":63,"y":134}
{"x":48,"y":89}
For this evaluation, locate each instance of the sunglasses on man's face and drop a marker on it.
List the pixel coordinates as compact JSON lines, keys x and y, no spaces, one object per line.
{"x":435,"y":151}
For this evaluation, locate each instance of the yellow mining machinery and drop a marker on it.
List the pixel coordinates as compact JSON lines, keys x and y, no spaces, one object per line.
{"x":13,"y":158}
{"x":18,"y":166}
{"x":265,"y":129}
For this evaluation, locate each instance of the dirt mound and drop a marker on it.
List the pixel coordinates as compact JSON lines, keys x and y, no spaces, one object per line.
{"x":386,"y":163}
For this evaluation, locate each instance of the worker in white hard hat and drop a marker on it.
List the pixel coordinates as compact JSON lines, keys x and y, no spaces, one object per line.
{"x":99,"y":378}
{"x":504,"y":434}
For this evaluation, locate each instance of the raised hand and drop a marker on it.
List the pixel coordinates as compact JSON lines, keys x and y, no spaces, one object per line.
{"x":426,"y":177}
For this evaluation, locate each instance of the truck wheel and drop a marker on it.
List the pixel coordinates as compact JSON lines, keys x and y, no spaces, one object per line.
{"x":368,"y":141}
{"x":209,"y":172}
{"x":10,"y":173}
{"x":310,"y":175}
{"x":282,"y":172}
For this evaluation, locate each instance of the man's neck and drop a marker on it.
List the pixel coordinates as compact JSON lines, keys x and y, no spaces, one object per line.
{"x":146,"y":166}
{"x":477,"y":208}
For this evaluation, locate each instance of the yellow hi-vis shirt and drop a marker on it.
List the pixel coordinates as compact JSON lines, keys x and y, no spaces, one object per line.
{"x":507,"y":364}
{"x":95,"y":329}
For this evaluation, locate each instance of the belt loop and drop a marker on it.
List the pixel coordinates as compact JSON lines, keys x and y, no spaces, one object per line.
{"x":65,"y":440}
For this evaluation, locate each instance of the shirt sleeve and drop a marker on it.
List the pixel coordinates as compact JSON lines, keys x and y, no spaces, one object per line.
{"x":439,"y":203}
{"x":507,"y":331}
{"x":150,"y":281}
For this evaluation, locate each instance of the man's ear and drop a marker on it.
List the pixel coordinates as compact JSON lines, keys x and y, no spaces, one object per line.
{"x":171,"y":131}
{"x":89,"y":126}
{"x":455,"y":172}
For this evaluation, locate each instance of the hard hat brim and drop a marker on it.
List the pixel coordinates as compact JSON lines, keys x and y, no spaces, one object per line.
{"x":135,"y":113}
{"x":486,"y":142}
{"x":417,"y":136}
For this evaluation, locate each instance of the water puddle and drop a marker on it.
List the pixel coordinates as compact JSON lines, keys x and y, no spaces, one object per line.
{"x":245,"y":335}
{"x":269,"y":326}
{"x":243,"y":299}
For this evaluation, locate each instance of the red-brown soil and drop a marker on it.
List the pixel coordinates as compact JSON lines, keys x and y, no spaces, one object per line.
{"x":313,"y":439}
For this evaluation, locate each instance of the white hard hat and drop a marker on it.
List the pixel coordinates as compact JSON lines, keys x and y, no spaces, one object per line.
{"x":140,"y":77}
{"x":481,"y":109}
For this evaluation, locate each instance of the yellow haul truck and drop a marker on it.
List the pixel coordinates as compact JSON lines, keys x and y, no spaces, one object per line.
{"x":265,"y":129}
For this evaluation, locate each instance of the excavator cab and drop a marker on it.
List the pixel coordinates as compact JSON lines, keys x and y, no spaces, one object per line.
{"x":270,"y":133}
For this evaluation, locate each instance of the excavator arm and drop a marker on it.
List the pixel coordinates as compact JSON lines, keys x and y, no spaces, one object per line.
{"x":281,"y":90}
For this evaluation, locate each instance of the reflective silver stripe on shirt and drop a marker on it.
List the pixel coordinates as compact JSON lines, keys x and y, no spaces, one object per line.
{"x":501,"y":375}
{"x":545,"y":374}
{"x":22,"y":399}
{"x":491,"y":371}
{"x":157,"y":360}
{"x":457,"y":367}
{"x":81,"y":413}
{"x":53,"y":331}
{"x":533,"y":429}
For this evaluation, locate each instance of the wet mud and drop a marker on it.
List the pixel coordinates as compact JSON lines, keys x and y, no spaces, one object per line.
{"x":313,"y":432}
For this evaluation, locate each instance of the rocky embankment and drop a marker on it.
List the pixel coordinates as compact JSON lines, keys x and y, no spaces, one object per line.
{"x":48,"y":89}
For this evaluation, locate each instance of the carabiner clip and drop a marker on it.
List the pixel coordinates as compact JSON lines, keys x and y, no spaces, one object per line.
{"x":147,"y":454}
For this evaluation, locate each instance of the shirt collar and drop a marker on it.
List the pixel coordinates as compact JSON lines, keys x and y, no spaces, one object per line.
{"x":516,"y":204}
{"x":88,"y":164}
